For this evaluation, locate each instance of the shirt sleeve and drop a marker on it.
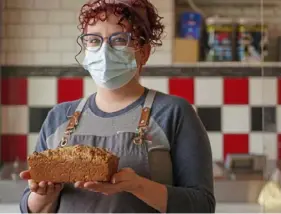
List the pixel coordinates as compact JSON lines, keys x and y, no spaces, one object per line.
{"x":192,"y":166}
{"x":40,"y":146}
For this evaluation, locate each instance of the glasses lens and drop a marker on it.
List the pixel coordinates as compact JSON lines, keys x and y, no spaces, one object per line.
{"x":91,"y":42}
{"x":119,"y":41}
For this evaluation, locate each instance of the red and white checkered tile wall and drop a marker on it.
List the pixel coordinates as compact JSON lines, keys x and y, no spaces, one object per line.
{"x":227,"y":107}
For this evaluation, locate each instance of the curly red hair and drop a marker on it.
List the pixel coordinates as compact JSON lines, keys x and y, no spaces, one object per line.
{"x":150,"y":33}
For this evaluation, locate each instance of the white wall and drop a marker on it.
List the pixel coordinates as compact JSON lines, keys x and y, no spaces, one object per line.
{"x":43,"y":32}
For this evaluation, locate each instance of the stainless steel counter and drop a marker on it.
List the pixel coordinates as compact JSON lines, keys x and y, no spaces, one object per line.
{"x":226,"y":190}
{"x":11,"y":191}
{"x":220,"y":208}
{"x":237,"y":191}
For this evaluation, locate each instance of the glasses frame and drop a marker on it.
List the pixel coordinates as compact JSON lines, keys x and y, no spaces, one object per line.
{"x":128,"y":34}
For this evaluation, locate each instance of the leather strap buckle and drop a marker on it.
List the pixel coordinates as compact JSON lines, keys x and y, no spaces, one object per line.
{"x":142,"y":126}
{"x":73,"y":123}
{"x":144,"y":119}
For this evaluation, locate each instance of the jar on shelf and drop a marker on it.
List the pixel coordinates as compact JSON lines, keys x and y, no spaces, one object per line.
{"x":221,"y":39}
{"x":252,"y":40}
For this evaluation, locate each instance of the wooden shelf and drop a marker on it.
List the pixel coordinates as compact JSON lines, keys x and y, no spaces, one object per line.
{"x":230,"y":64}
{"x":207,"y":69}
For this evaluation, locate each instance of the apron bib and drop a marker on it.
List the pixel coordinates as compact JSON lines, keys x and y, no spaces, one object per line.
{"x":130,"y":145}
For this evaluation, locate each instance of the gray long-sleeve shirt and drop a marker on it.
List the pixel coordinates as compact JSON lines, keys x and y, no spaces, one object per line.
{"x":174,"y":127}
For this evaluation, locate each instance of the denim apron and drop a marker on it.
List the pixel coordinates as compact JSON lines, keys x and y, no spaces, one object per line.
{"x":130,"y":137}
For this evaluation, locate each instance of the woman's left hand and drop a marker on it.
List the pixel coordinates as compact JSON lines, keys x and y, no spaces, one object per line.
{"x":126,"y":180}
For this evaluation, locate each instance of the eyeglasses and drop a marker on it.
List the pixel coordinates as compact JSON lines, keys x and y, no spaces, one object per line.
{"x":117,"y":41}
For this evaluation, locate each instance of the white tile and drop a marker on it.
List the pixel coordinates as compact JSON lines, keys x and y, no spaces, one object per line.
{"x":157,"y":83}
{"x":62,"y":17}
{"x":3,"y":31}
{"x":163,"y":5}
{"x":62,"y":45}
{"x":9,"y":45}
{"x":72,"y":4}
{"x":5,"y":17}
{"x":22,"y":58}
{"x":236,"y":119}
{"x":208,"y":91}
{"x":3,"y":4}
{"x":50,"y":4}
{"x":167,"y":45}
{"x":89,"y":86}
{"x":2,"y":58}
{"x":256,"y":144}
{"x":271,"y":144}
{"x":46,"y":58}
{"x":14,"y":120}
{"x":30,"y":17}
{"x":69,"y":59}
{"x":31,"y":143}
{"x":216,"y":141}
{"x":19,"y":31}
{"x":160,"y":58}
{"x":263,"y":91}
{"x":19,"y":4}
{"x":46,"y":31}
{"x":69,"y":31}
{"x":36,"y":45}
{"x":24,"y":45}
{"x":278,"y":118}
{"x":42,"y":91}
{"x":264,"y":143}
{"x":168,"y":34}
{"x":168,"y":17}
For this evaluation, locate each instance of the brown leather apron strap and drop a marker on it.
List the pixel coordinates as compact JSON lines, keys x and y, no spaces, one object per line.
{"x":73,"y":122}
{"x":145,"y":113}
{"x":145,"y":116}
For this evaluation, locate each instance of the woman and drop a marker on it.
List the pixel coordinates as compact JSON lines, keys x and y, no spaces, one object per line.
{"x":165,"y":155}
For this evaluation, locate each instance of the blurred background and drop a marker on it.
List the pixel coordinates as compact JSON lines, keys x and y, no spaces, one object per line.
{"x":223,"y":56}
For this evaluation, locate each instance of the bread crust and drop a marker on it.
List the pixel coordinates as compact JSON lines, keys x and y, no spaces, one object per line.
{"x":70,"y":164}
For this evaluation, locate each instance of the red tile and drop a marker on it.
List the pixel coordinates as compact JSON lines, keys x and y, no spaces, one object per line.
{"x":279,"y":91}
{"x":236,"y":91}
{"x":13,"y":146}
{"x":183,"y":87}
{"x":14,"y":91}
{"x":235,"y":143}
{"x":279,"y":147}
{"x":69,"y":89}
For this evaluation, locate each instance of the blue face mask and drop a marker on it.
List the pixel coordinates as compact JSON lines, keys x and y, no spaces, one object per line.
{"x":111,"y":68}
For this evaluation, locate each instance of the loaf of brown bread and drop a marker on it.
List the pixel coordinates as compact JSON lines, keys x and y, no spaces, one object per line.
{"x":73,"y":163}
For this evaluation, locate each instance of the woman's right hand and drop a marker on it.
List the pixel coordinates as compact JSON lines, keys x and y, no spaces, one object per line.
{"x":44,"y":195}
{"x":43,"y":187}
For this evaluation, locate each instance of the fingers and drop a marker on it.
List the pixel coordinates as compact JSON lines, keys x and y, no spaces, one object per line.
{"x":58,"y":187}
{"x":25,"y":175}
{"x":127,"y":170}
{"x":90,"y":185}
{"x":79,"y":184}
{"x":101,"y":187}
{"x":33,"y":186}
{"x":50,"y":188}
{"x":122,"y":175}
{"x":44,"y":188}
